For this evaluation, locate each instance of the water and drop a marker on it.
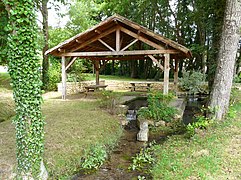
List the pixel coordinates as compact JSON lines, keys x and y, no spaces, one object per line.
{"x":193,"y":107}
{"x":116,"y":166}
{"x":133,"y":107}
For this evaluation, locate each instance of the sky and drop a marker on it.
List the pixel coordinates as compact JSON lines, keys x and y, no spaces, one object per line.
{"x":54,"y":19}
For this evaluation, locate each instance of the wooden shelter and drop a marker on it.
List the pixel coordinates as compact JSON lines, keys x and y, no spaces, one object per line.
{"x":118,"y":38}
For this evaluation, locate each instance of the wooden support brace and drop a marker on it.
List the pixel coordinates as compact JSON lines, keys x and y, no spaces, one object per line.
{"x":156,"y":61}
{"x":106,"y":45}
{"x":71,"y":62}
{"x":133,"y":42}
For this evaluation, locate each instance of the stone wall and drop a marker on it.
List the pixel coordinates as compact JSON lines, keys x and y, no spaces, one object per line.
{"x":113,"y":85}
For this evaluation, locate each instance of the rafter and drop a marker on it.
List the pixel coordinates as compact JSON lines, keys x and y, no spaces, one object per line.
{"x":151,"y":43}
{"x":93,"y":39}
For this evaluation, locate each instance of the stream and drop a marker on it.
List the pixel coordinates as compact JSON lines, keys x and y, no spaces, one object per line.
{"x":116,"y":166}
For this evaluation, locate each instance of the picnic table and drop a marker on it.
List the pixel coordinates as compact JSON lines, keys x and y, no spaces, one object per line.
{"x":140,"y":85}
{"x":95,"y":87}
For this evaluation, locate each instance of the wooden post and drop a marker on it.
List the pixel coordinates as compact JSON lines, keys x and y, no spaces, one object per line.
{"x":176,"y":73}
{"x":166,"y":73}
{"x":63,"y":79}
{"x":97,"y":72}
{"x":118,"y":40}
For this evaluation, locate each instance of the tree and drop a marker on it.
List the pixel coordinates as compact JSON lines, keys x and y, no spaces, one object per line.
{"x":3,"y":33}
{"x":220,"y":95}
{"x":24,"y":68}
{"x":43,"y":7}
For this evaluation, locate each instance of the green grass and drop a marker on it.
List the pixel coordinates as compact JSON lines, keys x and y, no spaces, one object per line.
{"x":6,"y":102}
{"x":72,"y":126}
{"x":211,"y":154}
{"x":4,"y":81}
{"x":89,"y":76}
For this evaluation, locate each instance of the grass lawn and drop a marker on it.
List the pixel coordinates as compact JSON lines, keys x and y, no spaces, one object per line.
{"x":72,"y":126}
{"x":4,"y":81}
{"x":89,"y":76}
{"x":211,"y":154}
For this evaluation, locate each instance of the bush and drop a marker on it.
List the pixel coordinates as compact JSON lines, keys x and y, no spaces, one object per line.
{"x":54,"y":76}
{"x":158,"y":108}
{"x":108,"y":100}
{"x":145,"y":159}
{"x":193,"y":82}
{"x":94,"y":157}
{"x":75,"y":72}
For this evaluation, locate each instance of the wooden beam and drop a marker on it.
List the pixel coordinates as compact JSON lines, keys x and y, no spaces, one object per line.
{"x":166,"y":74}
{"x":63,"y":79}
{"x":117,"y":39}
{"x":71,"y":62}
{"x":138,"y":57}
{"x":156,"y":61}
{"x":147,"y":41}
{"x":93,"y":39}
{"x":106,"y":45}
{"x":133,"y":42}
{"x":176,"y":72}
{"x":158,"y":37}
{"x":122,"y":53}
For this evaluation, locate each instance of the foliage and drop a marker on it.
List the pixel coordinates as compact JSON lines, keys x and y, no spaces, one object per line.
{"x":75,"y":72}
{"x":202,"y":157}
{"x":83,"y":15}
{"x":233,"y":97}
{"x":94,"y":157}
{"x":54,"y":76}
{"x":200,"y":123}
{"x":145,"y":159}
{"x":237,"y":78}
{"x":193,"y":82}
{"x":3,"y":33}
{"x":108,"y":100}
{"x":57,"y":35}
{"x":158,"y":108}
{"x":24,"y":71}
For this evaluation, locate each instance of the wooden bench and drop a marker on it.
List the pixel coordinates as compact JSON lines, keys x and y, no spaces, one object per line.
{"x":95,"y":87}
{"x":140,"y":85}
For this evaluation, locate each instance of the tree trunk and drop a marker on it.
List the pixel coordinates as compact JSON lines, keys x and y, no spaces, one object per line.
{"x":45,"y":63}
{"x":220,"y":94}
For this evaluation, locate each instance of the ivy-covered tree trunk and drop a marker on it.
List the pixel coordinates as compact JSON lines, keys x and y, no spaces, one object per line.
{"x":24,"y":70}
{"x":220,"y":94}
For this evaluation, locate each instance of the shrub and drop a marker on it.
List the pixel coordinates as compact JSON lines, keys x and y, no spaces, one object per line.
{"x":193,"y":82}
{"x":158,"y":108}
{"x":145,"y":159}
{"x":75,"y":72}
{"x":94,"y":157}
{"x":54,"y":76}
{"x":108,"y":100}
